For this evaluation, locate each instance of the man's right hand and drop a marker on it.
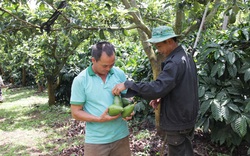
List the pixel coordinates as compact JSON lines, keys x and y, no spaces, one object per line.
{"x":106,"y":117}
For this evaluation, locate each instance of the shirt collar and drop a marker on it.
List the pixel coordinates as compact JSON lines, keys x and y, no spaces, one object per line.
{"x":176,"y":50}
{"x":92,"y":73}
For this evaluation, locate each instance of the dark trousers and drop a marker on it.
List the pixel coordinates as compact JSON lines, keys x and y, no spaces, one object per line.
{"x":180,"y":142}
{"x":0,"y":91}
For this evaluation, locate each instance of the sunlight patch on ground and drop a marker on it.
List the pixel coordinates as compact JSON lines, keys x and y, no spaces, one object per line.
{"x":26,"y":138}
{"x":16,"y":95}
{"x":24,"y":102}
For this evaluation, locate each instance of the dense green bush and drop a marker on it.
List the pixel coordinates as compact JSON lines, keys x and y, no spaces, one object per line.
{"x":224,"y":86}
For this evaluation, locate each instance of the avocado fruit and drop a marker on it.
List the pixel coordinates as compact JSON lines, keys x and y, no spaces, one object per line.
{"x":126,"y":101}
{"x":127,"y":110}
{"x":115,"y":110}
{"x":117,"y":101}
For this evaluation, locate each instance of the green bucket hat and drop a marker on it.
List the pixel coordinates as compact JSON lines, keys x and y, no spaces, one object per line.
{"x":162,"y":33}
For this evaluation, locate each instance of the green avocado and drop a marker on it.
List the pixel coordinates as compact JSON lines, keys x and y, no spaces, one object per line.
{"x":117,"y":101}
{"x":114,"y":110}
{"x":126,"y":101}
{"x":127,"y":110}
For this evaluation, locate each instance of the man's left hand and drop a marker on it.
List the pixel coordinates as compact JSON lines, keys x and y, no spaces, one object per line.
{"x":129,"y":117}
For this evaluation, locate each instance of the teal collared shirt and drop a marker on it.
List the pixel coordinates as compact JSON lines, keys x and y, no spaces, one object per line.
{"x":89,"y":90}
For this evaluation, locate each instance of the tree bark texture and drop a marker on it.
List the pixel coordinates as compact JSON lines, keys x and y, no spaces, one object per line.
{"x":51,"y":90}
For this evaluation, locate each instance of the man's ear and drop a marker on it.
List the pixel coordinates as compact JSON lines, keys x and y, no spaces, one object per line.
{"x":170,"y":41}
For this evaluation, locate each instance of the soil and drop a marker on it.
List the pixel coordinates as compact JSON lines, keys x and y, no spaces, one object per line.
{"x":152,"y":144}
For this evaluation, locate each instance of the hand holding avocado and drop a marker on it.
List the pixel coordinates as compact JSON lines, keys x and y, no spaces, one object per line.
{"x":106,"y":117}
{"x":121,"y":106}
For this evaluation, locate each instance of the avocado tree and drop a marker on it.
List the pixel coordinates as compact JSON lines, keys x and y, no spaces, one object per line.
{"x":43,"y":49}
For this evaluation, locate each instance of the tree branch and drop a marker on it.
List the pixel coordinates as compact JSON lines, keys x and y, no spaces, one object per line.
{"x":159,"y":20}
{"x":59,"y":11}
{"x":19,"y":19}
{"x":214,"y":10}
{"x":209,"y":17}
{"x":136,"y":16}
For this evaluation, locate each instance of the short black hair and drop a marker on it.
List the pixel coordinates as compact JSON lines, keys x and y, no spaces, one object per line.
{"x":175,"y":39}
{"x":101,"y":47}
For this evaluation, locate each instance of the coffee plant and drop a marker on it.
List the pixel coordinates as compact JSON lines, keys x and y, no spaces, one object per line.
{"x":224,"y":87}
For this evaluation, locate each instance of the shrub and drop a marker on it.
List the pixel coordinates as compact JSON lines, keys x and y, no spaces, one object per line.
{"x":224,"y":87}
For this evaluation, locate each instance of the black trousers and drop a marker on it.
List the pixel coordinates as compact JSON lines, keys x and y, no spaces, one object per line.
{"x":180,"y":142}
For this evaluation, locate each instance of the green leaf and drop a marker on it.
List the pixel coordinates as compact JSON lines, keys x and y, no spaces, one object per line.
{"x":232,"y":70}
{"x":124,"y":32}
{"x":221,"y":95}
{"x":200,"y":122}
{"x":111,"y":32}
{"x":201,"y":91}
{"x":246,"y":34}
{"x":232,"y":117}
{"x":247,"y":116}
{"x":101,"y":35}
{"x":209,"y":95}
{"x":247,"y":108}
{"x":206,"y":125}
{"x":214,"y":70}
{"x":218,"y":68}
{"x":216,"y":110}
{"x":233,"y":91}
{"x":236,"y":139}
{"x":234,"y":108}
{"x":205,"y":106}
{"x":139,"y":106}
{"x":240,"y":126}
{"x":244,"y":67}
{"x":221,"y":69}
{"x":217,"y":54}
{"x":225,"y":102}
{"x":231,"y":57}
{"x":247,"y":75}
{"x":225,"y":113}
{"x":208,"y":51}
{"x":213,"y":45}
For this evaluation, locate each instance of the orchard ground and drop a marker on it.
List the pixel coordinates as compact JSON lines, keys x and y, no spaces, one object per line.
{"x":29,"y":127}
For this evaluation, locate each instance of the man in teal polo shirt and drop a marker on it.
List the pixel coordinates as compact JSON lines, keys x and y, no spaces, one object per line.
{"x":90,"y":98}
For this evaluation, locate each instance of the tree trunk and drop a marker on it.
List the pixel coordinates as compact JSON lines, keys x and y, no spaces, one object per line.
{"x":179,"y":17}
{"x":40,"y":87}
{"x":51,"y":90}
{"x":24,"y":76}
{"x":1,"y":71}
{"x":155,"y":60}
